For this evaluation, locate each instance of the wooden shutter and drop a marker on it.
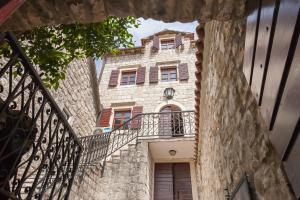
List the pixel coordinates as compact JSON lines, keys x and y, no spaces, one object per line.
{"x":250,"y":40}
{"x":163,"y":181}
{"x":114,"y":76}
{"x":183,"y":72}
{"x":153,"y":76}
{"x":155,"y":46}
{"x":292,"y":164}
{"x":140,"y":77}
{"x":105,"y":117}
{"x":264,"y":38}
{"x":178,"y":40}
{"x":182,"y":181}
{"x":136,"y":121}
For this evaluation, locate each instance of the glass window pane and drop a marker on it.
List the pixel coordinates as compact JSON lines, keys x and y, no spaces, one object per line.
{"x":117,"y":121}
{"x":127,"y":114}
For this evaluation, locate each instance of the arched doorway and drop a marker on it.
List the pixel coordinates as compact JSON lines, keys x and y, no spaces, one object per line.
{"x":170,"y":121}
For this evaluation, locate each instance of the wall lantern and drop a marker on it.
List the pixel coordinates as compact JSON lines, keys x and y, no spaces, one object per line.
{"x":172,"y":152}
{"x":169,"y":93}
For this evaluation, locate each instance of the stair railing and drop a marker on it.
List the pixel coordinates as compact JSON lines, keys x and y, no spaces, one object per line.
{"x":97,"y":147}
{"x":39,"y":152}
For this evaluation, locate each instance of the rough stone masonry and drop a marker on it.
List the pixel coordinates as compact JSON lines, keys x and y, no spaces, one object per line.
{"x":45,"y":12}
{"x":233,"y":137}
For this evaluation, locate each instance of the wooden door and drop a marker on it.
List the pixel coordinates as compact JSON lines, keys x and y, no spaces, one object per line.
{"x":182,"y":181}
{"x":163,"y":182}
{"x":172,"y":181}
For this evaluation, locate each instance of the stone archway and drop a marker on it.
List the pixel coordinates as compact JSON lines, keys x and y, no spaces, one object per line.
{"x":44,"y":12}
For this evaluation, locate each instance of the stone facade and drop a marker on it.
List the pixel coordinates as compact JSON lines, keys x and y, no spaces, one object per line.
{"x":127,"y":175}
{"x":44,"y":12}
{"x":149,"y":95}
{"x":79,"y":94}
{"x":233,"y":136}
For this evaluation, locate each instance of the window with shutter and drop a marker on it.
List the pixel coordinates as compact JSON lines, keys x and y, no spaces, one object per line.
{"x":178,"y":40}
{"x":153,"y":76}
{"x":128,"y":78}
{"x":141,"y":73}
{"x":168,"y":74}
{"x":155,"y":46}
{"x":136,"y":121}
{"x":121,"y":117}
{"x":113,"y":81}
{"x":105,"y":117}
{"x":167,"y":44}
{"x":183,"y":72}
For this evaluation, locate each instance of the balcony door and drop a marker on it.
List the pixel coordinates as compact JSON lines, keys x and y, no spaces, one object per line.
{"x":170,"y":121}
{"x":172,"y":181}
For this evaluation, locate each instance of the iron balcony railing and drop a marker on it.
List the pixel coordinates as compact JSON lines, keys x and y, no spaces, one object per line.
{"x":97,"y":147}
{"x":152,"y":125}
{"x":39,"y":152}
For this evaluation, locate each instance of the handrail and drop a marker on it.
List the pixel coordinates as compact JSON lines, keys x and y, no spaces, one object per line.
{"x":163,"y":124}
{"x":39,"y":151}
{"x":166,"y":125}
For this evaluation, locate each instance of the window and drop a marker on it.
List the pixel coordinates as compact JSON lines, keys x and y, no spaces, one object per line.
{"x":121,"y":117}
{"x":128,"y":78}
{"x":167,"y":44}
{"x":168,"y":74}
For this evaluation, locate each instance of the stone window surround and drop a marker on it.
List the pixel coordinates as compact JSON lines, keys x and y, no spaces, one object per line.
{"x":168,"y":70}
{"x":127,"y":69}
{"x":169,"y":41}
{"x":123,"y":119}
{"x":126,"y":73}
{"x":167,"y":64}
{"x":116,"y":108}
{"x":164,"y":39}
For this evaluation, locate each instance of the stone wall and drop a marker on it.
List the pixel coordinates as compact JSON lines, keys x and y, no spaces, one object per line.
{"x":128,"y":175}
{"x":79,"y":94}
{"x":150,"y":96}
{"x":233,"y":136}
{"x":45,"y":12}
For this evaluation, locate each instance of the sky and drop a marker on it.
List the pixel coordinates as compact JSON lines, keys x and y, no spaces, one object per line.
{"x":150,"y":26}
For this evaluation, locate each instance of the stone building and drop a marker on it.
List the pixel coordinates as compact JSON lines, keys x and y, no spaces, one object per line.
{"x":78,"y":96}
{"x":246,"y":96}
{"x":134,"y":86}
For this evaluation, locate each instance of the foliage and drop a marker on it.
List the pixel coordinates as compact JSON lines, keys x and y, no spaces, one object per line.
{"x":53,"y":48}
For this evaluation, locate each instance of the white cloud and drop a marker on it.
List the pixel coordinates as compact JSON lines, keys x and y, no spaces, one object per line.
{"x":150,"y":26}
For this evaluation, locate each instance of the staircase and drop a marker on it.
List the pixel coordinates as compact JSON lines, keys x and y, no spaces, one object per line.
{"x":101,"y":149}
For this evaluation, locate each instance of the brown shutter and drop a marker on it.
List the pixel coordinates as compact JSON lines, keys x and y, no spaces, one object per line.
{"x":183,"y":72}
{"x":105,"y":117}
{"x":153,"y":76}
{"x":113,"y":81}
{"x":136,"y":121}
{"x":155,"y":46}
{"x":140,"y":77}
{"x":178,"y":40}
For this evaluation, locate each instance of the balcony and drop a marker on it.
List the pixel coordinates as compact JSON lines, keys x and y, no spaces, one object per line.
{"x":164,"y":130}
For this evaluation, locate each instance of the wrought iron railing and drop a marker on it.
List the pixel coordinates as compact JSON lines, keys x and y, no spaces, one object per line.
{"x":152,"y":125}
{"x":97,"y":147}
{"x":94,"y":151}
{"x":39,"y":152}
